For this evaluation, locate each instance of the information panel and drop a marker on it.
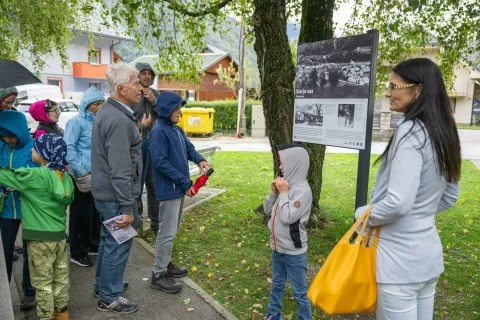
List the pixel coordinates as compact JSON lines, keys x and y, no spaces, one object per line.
{"x":332,"y":91}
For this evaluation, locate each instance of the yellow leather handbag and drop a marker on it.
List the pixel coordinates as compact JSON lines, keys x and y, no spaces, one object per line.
{"x":346,"y":283}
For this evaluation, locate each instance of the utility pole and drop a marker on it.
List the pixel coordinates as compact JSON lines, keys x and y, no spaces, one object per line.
{"x":241,"y":118}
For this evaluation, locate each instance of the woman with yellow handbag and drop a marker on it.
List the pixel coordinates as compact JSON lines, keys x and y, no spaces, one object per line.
{"x":418,"y":177}
{"x":395,"y":274}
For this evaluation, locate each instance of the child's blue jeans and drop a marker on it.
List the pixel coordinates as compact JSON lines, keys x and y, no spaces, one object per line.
{"x":295,"y":268}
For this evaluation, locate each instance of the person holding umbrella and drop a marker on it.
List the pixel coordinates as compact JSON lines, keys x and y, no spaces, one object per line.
{"x":170,"y":152}
{"x":47,"y":113}
{"x":7,"y":98}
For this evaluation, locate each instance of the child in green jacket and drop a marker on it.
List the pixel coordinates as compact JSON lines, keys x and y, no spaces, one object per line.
{"x":46,"y":192}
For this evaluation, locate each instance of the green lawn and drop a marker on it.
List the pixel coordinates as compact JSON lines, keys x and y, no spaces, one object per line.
{"x":226,"y":246}
{"x":469,"y":127}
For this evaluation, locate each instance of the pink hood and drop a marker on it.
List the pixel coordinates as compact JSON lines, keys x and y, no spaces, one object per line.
{"x":37,"y":111}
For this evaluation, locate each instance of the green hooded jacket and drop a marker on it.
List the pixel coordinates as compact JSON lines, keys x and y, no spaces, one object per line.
{"x":45,"y":195}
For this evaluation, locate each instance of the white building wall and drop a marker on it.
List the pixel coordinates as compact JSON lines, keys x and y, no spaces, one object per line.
{"x":77,"y":52}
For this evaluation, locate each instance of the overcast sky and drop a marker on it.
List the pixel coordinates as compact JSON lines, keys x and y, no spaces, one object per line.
{"x":341,"y":16}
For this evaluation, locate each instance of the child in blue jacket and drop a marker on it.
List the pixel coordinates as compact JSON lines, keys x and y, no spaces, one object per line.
{"x":15,"y":152}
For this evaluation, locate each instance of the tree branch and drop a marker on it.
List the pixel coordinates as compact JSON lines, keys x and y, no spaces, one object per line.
{"x":176,"y":7}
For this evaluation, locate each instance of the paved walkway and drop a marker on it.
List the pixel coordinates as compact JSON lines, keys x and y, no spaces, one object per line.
{"x":153,"y":304}
{"x":469,"y":139}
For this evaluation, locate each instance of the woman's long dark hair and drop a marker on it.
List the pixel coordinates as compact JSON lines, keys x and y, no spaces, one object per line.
{"x":432,"y":108}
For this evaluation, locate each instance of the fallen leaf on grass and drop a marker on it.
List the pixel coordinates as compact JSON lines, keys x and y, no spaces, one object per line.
{"x":239,"y":244}
{"x":210,"y":275}
{"x":202,"y":228}
{"x":465,"y":231}
{"x":193,"y":269}
{"x":246,"y":291}
{"x":237,"y":270}
{"x":244,"y":261}
{"x":269,"y":280}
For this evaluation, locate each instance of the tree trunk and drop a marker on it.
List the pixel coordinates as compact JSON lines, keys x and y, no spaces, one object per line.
{"x":316,"y":25}
{"x":276,"y":69}
{"x":277,"y":75}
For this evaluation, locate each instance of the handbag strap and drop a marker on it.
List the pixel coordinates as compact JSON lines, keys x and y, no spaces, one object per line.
{"x":363,"y":218}
{"x":369,"y":235}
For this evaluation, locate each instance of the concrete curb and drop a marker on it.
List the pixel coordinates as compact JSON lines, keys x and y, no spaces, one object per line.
{"x":476,"y":163}
{"x":195,"y":287}
{"x":203,"y":200}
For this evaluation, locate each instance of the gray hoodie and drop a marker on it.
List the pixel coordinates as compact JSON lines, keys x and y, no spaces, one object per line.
{"x":289,"y":213}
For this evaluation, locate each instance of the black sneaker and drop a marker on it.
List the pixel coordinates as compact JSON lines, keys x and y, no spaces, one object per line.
{"x":120,"y":306}
{"x":175,"y":272}
{"x":28,"y":303}
{"x":165,"y":283}
{"x":96,"y":294}
{"x":154,"y":229}
{"x":82,"y":261}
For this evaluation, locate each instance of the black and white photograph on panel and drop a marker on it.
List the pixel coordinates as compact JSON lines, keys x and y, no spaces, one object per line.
{"x":345,"y":117}
{"x":336,"y":68}
{"x":309,"y":113}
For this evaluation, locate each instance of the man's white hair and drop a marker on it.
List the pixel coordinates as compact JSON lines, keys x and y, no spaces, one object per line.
{"x":117,"y":74}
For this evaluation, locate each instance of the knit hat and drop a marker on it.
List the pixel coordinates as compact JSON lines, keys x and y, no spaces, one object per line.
{"x":53,"y":149}
{"x":7,"y":92}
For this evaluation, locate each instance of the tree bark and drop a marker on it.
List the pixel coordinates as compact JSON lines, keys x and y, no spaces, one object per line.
{"x":276,"y":69}
{"x":316,"y":25}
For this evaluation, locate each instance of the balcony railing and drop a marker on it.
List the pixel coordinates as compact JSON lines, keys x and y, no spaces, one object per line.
{"x":87,"y":70}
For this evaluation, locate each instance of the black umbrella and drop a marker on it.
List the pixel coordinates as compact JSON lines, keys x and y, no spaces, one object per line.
{"x":14,"y":74}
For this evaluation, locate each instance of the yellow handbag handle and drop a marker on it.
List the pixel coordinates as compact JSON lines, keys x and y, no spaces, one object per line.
{"x":369,"y":235}
{"x":363,"y":218}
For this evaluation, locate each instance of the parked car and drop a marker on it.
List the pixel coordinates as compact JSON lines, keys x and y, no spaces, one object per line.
{"x":38,"y":91}
{"x":68,"y":108}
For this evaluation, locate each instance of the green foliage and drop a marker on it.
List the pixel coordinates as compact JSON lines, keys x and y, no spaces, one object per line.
{"x":226,"y":112}
{"x":37,"y":29}
{"x":409,"y":28}
{"x":293,"y":49}
{"x":229,"y":76}
{"x":233,"y":245}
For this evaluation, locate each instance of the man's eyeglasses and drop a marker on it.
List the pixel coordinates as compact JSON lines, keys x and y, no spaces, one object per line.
{"x":403,"y":86}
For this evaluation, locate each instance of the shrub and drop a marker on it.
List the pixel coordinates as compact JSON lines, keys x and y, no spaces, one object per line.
{"x":226,"y":112}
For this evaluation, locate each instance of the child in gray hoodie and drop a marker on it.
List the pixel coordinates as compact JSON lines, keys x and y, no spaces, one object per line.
{"x":288,"y":206}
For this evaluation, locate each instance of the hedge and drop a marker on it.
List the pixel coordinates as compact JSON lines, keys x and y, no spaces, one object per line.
{"x":226,"y":112}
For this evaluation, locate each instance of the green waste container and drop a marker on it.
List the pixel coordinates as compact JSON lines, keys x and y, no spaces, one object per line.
{"x":197,"y":120}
